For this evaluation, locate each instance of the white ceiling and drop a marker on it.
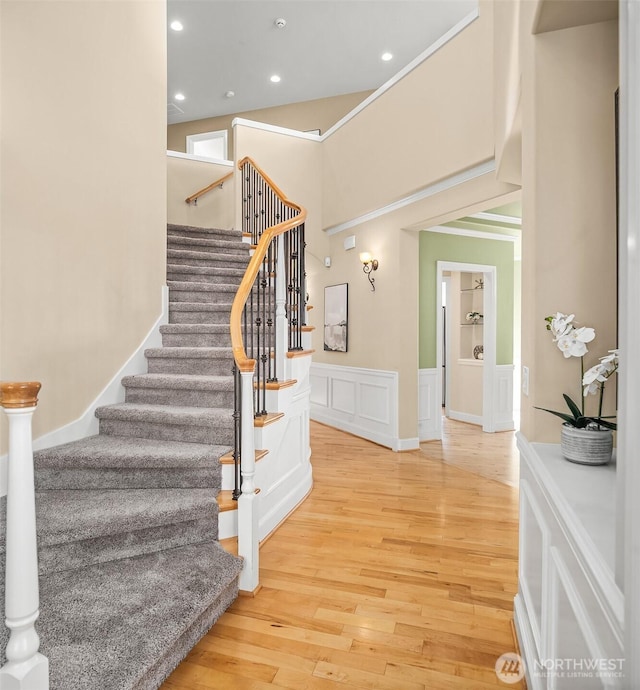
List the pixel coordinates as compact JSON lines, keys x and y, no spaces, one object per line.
{"x":328,"y":48}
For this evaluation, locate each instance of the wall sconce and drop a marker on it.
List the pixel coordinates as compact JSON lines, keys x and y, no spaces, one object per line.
{"x":370,"y":264}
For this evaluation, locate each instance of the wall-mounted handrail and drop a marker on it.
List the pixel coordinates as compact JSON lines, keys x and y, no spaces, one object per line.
{"x":208,"y":188}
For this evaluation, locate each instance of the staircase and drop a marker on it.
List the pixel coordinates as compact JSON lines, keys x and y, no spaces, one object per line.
{"x":131,"y":572}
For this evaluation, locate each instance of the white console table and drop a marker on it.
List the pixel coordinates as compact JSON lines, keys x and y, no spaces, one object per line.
{"x":569,"y":612}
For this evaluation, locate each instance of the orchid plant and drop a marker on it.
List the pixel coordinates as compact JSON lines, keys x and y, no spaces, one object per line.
{"x":572,"y":342}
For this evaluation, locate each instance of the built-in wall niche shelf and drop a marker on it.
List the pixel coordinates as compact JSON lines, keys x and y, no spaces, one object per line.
{"x":471,"y":302}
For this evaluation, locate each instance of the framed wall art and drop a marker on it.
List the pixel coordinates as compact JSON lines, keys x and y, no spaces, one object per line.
{"x":336,"y":317}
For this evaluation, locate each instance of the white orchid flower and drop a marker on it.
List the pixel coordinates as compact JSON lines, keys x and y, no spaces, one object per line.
{"x":560,"y":325}
{"x":611,"y":358}
{"x":570,"y":346}
{"x":591,"y":389}
{"x":584,"y":334}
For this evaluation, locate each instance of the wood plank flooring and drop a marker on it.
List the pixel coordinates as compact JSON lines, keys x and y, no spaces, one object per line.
{"x":398,"y":572}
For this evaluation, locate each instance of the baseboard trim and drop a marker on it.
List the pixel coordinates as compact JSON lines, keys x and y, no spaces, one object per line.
{"x":405,"y":444}
{"x":87,"y":423}
{"x":465,"y":417}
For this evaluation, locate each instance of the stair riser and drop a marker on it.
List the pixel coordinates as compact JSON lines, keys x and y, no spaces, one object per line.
{"x":227,"y":234}
{"x":179,"y":397}
{"x":197,"y":366}
{"x":80,"y":554}
{"x":202,"y":296}
{"x":206,"y":244}
{"x":207,"y":259}
{"x":106,"y":478}
{"x":239,"y":254}
{"x":178,"y":316}
{"x":168,"y":432}
{"x":205,"y":234}
{"x":213,"y":278}
{"x":196,"y":340}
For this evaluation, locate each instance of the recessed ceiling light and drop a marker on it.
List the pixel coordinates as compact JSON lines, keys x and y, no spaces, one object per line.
{"x":386,"y":57}
{"x":176,"y":25}
{"x":280,"y":22}
{"x":230,"y":94}
{"x":179,"y":97}
{"x":275,"y":78}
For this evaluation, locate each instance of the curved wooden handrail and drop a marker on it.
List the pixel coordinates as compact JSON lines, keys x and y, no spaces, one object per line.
{"x":239,"y":353}
{"x":208,"y":188}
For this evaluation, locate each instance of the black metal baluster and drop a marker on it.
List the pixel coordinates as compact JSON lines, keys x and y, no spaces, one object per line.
{"x":303,"y":282}
{"x":262,"y":351}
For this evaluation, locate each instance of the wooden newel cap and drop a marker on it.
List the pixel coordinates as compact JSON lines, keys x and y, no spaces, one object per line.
{"x":22,"y":394}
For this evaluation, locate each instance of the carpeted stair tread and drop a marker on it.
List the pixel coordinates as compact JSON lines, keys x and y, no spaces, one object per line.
{"x":180,"y":389}
{"x":180,"y":381}
{"x":185,"y":256}
{"x":196,"y":335}
{"x":123,"y":452}
{"x":69,"y":516}
{"x":223,"y":307}
{"x":202,"y":287}
{"x":218,"y":244}
{"x":210,"y":273}
{"x":225,"y":233}
{"x":166,"y":414}
{"x":127,"y":624}
{"x":190,"y":328}
{"x":189,"y":352}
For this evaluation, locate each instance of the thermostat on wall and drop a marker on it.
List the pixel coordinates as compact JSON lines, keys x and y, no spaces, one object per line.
{"x":350,"y":242}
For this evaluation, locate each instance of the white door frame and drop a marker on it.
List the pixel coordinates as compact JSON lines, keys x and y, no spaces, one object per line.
{"x":628,"y":468}
{"x":489,"y":307}
{"x":446,"y":360}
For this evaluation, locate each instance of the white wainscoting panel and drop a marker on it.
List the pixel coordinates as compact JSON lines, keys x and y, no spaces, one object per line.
{"x":429,"y":405}
{"x":361,"y":401}
{"x":503,"y":398}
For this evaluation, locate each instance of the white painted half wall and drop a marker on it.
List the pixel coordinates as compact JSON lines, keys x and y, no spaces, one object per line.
{"x":361,"y":401}
{"x":430,"y":403}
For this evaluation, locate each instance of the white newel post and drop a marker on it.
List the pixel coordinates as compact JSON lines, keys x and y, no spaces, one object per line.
{"x":25,"y":668}
{"x":282,"y":325}
{"x":248,"y":538}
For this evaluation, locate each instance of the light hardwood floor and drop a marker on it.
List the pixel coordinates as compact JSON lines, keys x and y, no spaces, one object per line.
{"x":397,"y":573}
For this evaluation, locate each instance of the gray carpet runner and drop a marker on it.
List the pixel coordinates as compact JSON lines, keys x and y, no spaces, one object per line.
{"x":131,"y":573}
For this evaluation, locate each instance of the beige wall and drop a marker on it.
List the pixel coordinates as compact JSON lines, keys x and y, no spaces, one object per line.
{"x":82,"y":222}
{"x":569,"y":232}
{"x":383,"y":325}
{"x":186,"y":177}
{"x":437,"y":121}
{"x":308,"y":115}
{"x":294,"y":166}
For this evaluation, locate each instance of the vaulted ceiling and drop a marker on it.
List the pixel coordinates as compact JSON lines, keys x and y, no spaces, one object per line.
{"x":326,"y":48}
